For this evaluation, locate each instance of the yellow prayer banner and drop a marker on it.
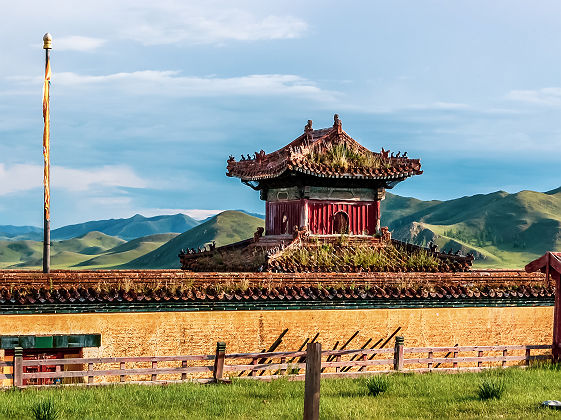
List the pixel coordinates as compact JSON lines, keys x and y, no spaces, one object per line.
{"x":46,"y":134}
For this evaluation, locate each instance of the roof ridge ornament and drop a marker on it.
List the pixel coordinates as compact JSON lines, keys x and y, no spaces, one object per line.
{"x":337,"y":124}
{"x":309,"y":132}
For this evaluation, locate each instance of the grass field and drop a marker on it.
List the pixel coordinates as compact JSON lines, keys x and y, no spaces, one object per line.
{"x":429,"y":396}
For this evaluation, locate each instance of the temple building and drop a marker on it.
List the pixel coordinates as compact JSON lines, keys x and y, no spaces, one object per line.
{"x":324,"y":182}
{"x":322,"y":213}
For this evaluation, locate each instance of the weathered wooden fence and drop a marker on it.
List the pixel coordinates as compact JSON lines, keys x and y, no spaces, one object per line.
{"x":267,"y":365}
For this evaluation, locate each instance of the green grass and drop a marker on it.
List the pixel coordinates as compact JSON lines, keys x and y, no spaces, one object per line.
{"x":408,"y":396}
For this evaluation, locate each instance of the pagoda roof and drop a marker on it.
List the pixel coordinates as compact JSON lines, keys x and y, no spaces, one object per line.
{"x":312,"y":154}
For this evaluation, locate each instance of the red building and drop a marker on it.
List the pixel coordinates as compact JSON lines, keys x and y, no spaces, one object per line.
{"x":324,"y":182}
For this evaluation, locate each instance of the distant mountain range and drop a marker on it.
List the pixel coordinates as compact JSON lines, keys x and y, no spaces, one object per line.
{"x":503,"y":231}
{"x":224,"y":228}
{"x":20,"y":232}
{"x":95,"y":249}
{"x":131,"y":228}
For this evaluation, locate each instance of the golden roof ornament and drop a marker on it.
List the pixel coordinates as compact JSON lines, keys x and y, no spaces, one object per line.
{"x":47,"y":41}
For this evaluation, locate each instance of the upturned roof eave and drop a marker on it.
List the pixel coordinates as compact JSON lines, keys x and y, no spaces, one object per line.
{"x":308,"y":172}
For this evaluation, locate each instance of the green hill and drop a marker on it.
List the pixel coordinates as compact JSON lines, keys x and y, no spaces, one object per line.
{"x":90,"y":251}
{"x":502,"y":229}
{"x":128,"y":251}
{"x":14,"y":252}
{"x":59,"y":259}
{"x":131,"y":228}
{"x":224,"y":228}
{"x":67,"y":253}
{"x":92,"y":243}
{"x":395,"y":207}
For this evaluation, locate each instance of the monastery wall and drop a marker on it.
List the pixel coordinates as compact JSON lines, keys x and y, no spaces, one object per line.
{"x":174,"y":333}
{"x":170,"y":312}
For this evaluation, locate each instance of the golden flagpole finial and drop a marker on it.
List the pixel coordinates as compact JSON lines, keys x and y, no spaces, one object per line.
{"x":47,"y":41}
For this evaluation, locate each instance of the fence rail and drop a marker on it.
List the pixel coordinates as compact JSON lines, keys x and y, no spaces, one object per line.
{"x":266,"y":365}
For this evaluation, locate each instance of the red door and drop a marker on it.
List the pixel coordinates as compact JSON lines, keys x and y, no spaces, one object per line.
{"x":341,"y":223}
{"x":41,"y":368}
{"x":42,"y":354}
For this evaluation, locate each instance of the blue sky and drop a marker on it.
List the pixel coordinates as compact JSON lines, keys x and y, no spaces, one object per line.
{"x":149,"y":98}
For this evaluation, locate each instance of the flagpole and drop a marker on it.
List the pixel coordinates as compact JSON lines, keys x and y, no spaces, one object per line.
{"x":47,"y":45}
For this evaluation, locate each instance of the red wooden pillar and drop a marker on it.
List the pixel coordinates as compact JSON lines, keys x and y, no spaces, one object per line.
{"x":557,"y":317}
{"x":550,"y":264}
{"x":377,"y":217}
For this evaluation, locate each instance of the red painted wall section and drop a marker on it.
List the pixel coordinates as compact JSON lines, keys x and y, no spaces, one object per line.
{"x":277,"y":211}
{"x":362,"y":215}
{"x":282,"y":216}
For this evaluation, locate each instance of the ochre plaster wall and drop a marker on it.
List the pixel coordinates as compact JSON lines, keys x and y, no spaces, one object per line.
{"x":175,"y":333}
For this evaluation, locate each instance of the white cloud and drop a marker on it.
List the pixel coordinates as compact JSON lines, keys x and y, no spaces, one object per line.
{"x":550,"y":96}
{"x":78,"y":43}
{"x":23,"y":177}
{"x":444,"y":106}
{"x":179,"y":22}
{"x":105,"y":176}
{"x":162,"y":22}
{"x":171,"y":83}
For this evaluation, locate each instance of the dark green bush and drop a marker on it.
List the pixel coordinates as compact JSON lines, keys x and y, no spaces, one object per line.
{"x":45,"y":410}
{"x":377,"y":384}
{"x":491,"y":389}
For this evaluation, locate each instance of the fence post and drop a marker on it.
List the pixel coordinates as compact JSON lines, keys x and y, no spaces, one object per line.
{"x":398,"y":353}
{"x":184,"y":374}
{"x":429,"y":365}
{"x":527,"y":359}
{"x":338,"y":359}
{"x":480,"y":354}
{"x":455,"y":364}
{"x":90,"y":371}
{"x":154,"y":376}
{"x":312,"y":384}
{"x":219,"y":360}
{"x":18,"y":367}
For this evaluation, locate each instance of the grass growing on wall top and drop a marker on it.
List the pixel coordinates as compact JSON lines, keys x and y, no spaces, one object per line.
{"x":329,"y":257}
{"x":343,"y":156}
{"x":407,"y":396}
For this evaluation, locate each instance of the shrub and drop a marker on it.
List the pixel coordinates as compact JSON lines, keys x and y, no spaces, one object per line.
{"x":491,"y":389}
{"x":545,"y":365}
{"x":45,"y":410}
{"x":344,"y":156}
{"x":292,"y":369}
{"x":377,"y":384}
